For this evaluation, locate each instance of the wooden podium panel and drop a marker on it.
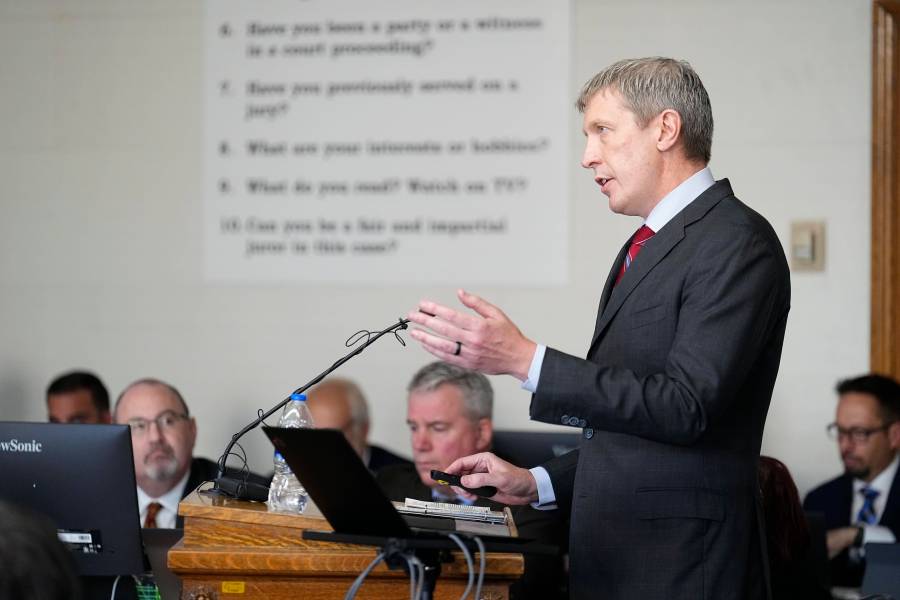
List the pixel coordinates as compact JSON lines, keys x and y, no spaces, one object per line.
{"x":238,"y":550}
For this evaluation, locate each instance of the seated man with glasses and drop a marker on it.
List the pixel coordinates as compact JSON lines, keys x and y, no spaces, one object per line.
{"x":162,"y":438}
{"x":863,"y":504}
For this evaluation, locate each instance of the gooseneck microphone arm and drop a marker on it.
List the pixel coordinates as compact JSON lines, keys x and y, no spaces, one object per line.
{"x":240,"y":488}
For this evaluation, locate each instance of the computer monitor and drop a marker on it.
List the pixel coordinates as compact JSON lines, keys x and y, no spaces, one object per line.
{"x":82,"y":478}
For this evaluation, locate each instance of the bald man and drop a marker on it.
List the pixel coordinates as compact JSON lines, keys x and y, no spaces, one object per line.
{"x":163,"y":434}
{"x":338,"y":403}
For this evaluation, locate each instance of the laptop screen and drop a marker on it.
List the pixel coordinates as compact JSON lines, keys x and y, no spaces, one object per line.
{"x":882,"y":574}
{"x":338,"y":482}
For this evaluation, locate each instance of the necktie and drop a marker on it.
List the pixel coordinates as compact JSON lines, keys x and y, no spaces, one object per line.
{"x":867,"y":511}
{"x":150,"y":519}
{"x":637,"y":242}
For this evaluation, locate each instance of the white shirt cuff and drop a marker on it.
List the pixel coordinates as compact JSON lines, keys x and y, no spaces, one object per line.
{"x":878,"y":534}
{"x":534,"y":371}
{"x":546,"y":496}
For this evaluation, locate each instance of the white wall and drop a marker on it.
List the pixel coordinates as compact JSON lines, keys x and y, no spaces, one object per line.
{"x":100,"y":214}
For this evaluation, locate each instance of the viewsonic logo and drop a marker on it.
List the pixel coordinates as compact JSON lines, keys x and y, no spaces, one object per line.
{"x":15,"y":445}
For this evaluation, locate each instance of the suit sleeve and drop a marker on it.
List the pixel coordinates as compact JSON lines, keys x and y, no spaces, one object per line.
{"x":729,"y":308}
{"x":562,"y":475}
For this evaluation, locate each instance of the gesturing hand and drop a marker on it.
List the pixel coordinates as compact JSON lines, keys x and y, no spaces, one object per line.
{"x":488,"y":342}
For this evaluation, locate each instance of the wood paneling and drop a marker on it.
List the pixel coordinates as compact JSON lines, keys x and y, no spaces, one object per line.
{"x":885,"y":318}
{"x":236,"y":543}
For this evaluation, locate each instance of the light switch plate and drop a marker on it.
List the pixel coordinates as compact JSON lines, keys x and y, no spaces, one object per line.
{"x":808,"y":246}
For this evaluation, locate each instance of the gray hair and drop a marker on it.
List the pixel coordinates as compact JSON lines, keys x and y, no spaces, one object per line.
{"x":478,"y":396}
{"x":651,"y":85}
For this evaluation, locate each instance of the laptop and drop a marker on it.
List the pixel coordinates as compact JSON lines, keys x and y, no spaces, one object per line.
{"x":346,"y":492}
{"x":882,"y":574}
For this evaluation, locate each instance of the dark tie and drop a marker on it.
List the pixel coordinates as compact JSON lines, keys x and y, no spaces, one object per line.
{"x":867,"y":511}
{"x":150,"y":519}
{"x":637,"y":242}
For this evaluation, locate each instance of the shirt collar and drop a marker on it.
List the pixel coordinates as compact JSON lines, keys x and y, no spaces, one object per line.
{"x":675,"y":201}
{"x":882,"y":481}
{"x":169,"y":500}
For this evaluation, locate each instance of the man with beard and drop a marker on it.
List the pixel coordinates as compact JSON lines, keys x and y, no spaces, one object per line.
{"x":863,"y":504}
{"x":162,"y":437}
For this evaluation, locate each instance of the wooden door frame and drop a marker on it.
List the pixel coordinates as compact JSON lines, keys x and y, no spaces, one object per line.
{"x":885,"y":303}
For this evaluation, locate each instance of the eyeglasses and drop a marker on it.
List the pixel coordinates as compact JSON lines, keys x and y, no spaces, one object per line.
{"x":858,"y":435}
{"x":165,"y":421}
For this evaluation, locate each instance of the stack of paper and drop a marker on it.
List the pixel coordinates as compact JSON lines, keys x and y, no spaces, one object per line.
{"x":453,"y":511}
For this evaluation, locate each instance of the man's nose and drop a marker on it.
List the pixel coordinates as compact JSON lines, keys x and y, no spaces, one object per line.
{"x":154,"y":432}
{"x":590,"y":157}
{"x":421,"y":440}
{"x":844,"y":443}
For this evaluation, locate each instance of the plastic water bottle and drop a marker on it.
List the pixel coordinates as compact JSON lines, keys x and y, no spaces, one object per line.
{"x":285,"y":492}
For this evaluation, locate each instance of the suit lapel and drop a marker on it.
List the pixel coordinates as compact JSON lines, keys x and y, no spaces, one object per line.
{"x":845,"y":503}
{"x":608,"y":288}
{"x":890,"y":516}
{"x":654,"y":251}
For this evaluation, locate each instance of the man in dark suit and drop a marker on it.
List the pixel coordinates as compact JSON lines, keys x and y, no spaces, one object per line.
{"x":163,"y":434}
{"x":673,"y":394}
{"x":863,"y":504}
{"x":338,"y":403}
{"x":449,"y":414}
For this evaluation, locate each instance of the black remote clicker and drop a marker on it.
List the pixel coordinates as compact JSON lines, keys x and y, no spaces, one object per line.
{"x":486,"y":491}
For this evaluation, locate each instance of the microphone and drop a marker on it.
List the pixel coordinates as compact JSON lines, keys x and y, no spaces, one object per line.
{"x":240,"y":487}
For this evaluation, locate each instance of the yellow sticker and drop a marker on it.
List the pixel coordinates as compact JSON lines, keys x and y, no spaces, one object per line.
{"x":232,"y":587}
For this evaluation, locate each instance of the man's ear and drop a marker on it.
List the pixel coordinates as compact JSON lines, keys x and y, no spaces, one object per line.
{"x":193,"y":427}
{"x":893,"y":433}
{"x":669,"y":123}
{"x":485,"y":434}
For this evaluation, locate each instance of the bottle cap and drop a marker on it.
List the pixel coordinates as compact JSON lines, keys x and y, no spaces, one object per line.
{"x":298,"y":397}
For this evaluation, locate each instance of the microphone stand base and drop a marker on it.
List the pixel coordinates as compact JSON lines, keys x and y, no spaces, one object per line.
{"x":235,"y":487}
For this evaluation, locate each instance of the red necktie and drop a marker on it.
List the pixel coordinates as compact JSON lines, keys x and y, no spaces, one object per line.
{"x":637,"y":242}
{"x":150,"y":519}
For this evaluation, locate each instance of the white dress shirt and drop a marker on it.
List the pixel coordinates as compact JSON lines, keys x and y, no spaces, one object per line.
{"x":671,"y":204}
{"x":165,"y":518}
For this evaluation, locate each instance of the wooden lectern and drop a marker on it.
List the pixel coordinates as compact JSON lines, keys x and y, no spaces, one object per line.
{"x":238,"y":550}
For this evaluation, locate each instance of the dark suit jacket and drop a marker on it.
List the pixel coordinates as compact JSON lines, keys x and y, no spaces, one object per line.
{"x":543,"y":578}
{"x":380,"y":458}
{"x":834,"y":499}
{"x":672,"y":400}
